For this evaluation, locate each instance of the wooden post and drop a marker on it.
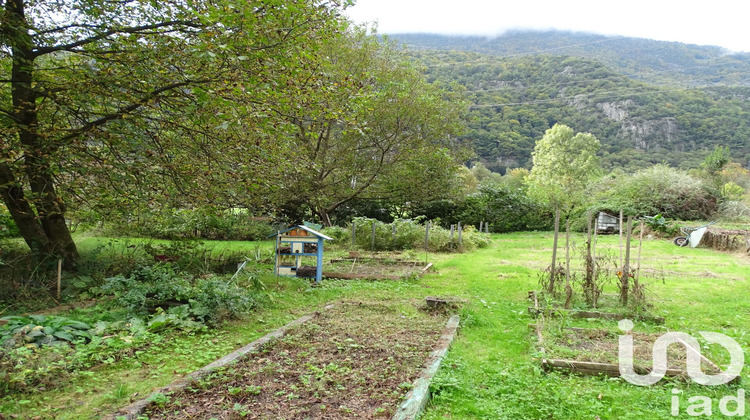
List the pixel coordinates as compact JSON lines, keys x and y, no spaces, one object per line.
{"x":621,"y":239}
{"x":354,"y":234}
{"x":452,"y":232}
{"x":551,"y":286}
{"x":624,"y":278}
{"x":595,"y":273}
{"x":426,"y":238}
{"x":568,"y":289}
{"x":373,"y":236}
{"x":638,"y":262}
{"x":319,"y":262}
{"x":481,"y":225}
{"x":59,"y":277}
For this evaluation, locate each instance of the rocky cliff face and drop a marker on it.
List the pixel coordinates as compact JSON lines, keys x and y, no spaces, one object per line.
{"x":647,"y":134}
{"x":617,"y":111}
{"x":644,"y":134}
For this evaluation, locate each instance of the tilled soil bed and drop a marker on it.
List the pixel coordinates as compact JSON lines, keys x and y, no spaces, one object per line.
{"x":601,"y":346}
{"x":355,"y":360}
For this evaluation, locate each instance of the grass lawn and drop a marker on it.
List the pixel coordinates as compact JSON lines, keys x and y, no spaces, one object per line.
{"x":491,"y":371}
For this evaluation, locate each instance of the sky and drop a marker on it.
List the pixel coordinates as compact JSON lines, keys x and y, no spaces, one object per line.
{"x":725,"y":23}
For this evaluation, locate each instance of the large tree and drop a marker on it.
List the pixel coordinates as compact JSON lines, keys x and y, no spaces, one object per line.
{"x":380,"y":131}
{"x":140,"y":103}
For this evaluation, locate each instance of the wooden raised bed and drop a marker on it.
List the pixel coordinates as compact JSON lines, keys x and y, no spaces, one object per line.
{"x":352,"y":360}
{"x":596,"y":368}
{"x":536,"y":310}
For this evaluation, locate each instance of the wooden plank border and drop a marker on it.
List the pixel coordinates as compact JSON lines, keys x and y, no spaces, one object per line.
{"x":419,"y":394}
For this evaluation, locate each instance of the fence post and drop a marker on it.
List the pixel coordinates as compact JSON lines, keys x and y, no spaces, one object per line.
{"x":426,"y":236}
{"x":460,"y":241}
{"x":481,"y":225}
{"x":373,"y":236}
{"x":452,"y":231}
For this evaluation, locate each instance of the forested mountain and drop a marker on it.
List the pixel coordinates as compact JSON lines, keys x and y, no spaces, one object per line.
{"x":591,"y":85}
{"x":659,"y":62}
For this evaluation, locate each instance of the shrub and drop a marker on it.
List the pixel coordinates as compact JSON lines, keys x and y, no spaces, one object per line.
{"x":658,"y":190}
{"x":404,"y":234}
{"x":505,"y":208}
{"x":8,"y":228}
{"x":158,"y":289}
{"x":205,"y":224}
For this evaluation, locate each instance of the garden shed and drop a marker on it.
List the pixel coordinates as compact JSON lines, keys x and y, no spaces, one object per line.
{"x":295,"y":243}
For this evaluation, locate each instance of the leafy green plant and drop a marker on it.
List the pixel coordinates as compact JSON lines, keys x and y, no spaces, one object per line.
{"x":41,"y":330}
{"x":177,"y":299}
{"x":659,"y":224}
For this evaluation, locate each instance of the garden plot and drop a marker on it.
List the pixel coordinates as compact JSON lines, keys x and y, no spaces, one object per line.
{"x":589,"y":351}
{"x":351,"y":360}
{"x":374,"y":268}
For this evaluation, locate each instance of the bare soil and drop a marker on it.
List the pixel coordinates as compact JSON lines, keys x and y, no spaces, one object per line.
{"x":374,"y":268}
{"x":355,"y":360}
{"x":601,"y":346}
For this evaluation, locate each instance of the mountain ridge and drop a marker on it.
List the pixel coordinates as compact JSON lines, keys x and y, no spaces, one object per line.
{"x":641,"y":117}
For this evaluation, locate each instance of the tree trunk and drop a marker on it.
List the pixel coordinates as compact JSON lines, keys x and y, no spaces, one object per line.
{"x":325,"y":216}
{"x":40,"y":216}
{"x":553,"y":267}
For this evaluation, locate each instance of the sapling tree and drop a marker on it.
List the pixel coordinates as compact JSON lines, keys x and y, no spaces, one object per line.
{"x":564,"y":165}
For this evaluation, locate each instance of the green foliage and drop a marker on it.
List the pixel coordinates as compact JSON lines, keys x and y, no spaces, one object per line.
{"x":660,"y":224}
{"x":517,"y":96}
{"x":505,"y":208}
{"x":379,"y":129}
{"x":24,"y":368}
{"x":405,"y":234}
{"x":671,"y":192}
{"x":8,"y":228}
{"x":193,"y":224}
{"x":732,"y":191}
{"x":41,"y":330}
{"x":716,"y":160}
{"x":177,"y":299}
{"x":564,"y":164}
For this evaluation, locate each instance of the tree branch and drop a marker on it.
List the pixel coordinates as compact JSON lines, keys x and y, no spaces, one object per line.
{"x":127,"y":30}
{"x":130,"y":108}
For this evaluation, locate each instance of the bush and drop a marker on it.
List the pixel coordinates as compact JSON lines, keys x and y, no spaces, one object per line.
{"x":409,"y":234}
{"x":658,"y":190}
{"x":186,"y":224}
{"x":175,"y":298}
{"x":505,"y":208}
{"x":8,"y":228}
